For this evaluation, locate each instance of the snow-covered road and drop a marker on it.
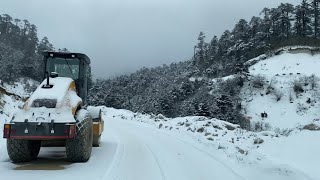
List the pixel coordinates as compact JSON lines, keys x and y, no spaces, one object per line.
{"x":135,"y":150}
{"x":146,"y":153}
{"x":130,"y":150}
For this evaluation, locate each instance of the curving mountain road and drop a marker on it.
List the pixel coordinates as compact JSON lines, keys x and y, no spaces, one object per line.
{"x":146,"y":153}
{"x":132,"y":150}
{"x":129,"y":150}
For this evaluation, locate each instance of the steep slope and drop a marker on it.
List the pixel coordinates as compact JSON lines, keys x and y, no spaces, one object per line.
{"x":286,"y":87}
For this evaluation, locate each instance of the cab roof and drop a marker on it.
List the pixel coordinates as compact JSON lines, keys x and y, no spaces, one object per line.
{"x":68,"y":55}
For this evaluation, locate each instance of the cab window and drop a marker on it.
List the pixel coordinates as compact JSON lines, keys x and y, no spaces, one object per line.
{"x":64,"y":67}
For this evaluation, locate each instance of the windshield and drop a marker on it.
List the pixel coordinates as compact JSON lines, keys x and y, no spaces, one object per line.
{"x":64,"y":67}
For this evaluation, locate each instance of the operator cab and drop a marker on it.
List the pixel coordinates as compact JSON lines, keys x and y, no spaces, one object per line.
{"x":73,"y":65}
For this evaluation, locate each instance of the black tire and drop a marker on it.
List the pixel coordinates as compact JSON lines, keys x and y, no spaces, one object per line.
{"x":96,"y":141}
{"x":34,"y":149}
{"x":79,"y":149}
{"x":23,"y":150}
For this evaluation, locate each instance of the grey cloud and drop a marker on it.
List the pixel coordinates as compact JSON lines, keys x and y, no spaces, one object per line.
{"x":121,"y":36}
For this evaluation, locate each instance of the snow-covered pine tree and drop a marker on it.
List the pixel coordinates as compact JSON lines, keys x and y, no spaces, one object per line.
{"x":286,"y":16}
{"x":201,"y":50}
{"x":303,"y":23}
{"x":316,"y":17}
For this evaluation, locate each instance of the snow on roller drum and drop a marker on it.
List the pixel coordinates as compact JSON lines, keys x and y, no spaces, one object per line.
{"x":143,"y":147}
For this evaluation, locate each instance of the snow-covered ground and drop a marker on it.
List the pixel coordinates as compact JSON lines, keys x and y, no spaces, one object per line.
{"x":23,"y":87}
{"x":277,"y":157}
{"x":281,"y":72}
{"x":137,"y":146}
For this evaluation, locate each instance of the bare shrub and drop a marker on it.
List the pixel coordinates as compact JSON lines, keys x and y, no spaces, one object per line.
{"x":1,"y":104}
{"x":260,"y":126}
{"x":245,"y":108}
{"x":313,"y":81}
{"x":231,"y":128}
{"x":278,"y":94}
{"x":270,"y":87}
{"x":246,"y":123}
{"x":283,"y":132}
{"x":242,"y":151}
{"x":286,"y":132}
{"x":210,"y":138}
{"x":316,"y":96}
{"x":200,"y":130}
{"x":258,"y":81}
{"x":301,"y":109}
{"x":258,"y":141}
{"x":290,"y":95}
{"x":304,"y":80}
{"x":298,"y":87}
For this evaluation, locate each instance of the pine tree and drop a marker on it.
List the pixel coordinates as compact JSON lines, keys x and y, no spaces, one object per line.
{"x":316,"y":17}
{"x":285,"y":19}
{"x":241,"y":37}
{"x":44,"y":45}
{"x":256,"y":32}
{"x":201,"y":49}
{"x":63,"y":50}
{"x":303,"y":25}
{"x":275,"y":15}
{"x":225,"y":42}
{"x":266,"y":25}
{"x":241,"y":31}
{"x":213,"y":47}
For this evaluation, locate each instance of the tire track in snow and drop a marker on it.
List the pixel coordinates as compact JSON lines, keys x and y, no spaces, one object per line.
{"x":214,"y":158}
{"x":285,"y":166}
{"x":208,"y":154}
{"x":193,"y":146}
{"x":130,"y":134}
{"x":157,"y":161}
{"x":118,"y":157}
{"x":129,"y":144}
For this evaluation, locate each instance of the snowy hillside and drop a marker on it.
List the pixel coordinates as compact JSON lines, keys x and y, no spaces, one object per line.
{"x":23,"y":87}
{"x":9,"y":105}
{"x":286,"y":87}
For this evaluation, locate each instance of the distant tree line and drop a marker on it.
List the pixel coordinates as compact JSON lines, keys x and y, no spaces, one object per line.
{"x":186,"y":88}
{"x":274,"y":28}
{"x":20,"y":49}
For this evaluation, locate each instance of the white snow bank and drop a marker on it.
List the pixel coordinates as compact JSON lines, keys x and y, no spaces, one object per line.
{"x":8,"y":107}
{"x":223,"y":78}
{"x":287,"y":64}
{"x":300,"y":151}
{"x":213,"y":132}
{"x":193,"y":79}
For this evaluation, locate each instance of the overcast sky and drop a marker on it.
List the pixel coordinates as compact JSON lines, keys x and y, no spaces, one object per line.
{"x":121,"y":36}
